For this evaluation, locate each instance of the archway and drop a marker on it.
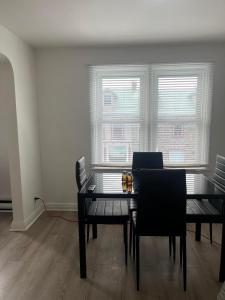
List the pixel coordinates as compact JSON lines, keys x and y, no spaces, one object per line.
{"x":8,"y":139}
{"x":24,"y":140}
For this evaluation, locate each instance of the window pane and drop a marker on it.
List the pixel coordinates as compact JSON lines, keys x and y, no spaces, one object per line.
{"x":180,"y":125}
{"x":118,"y":97}
{"x":177,"y":96}
{"x":179,"y":142}
{"x":121,"y":97}
{"x":121,"y":101}
{"x":120,"y":141}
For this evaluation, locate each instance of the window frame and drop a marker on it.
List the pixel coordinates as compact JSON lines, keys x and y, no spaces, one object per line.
{"x":202,"y":71}
{"x":97,"y":73}
{"x":148,"y":75}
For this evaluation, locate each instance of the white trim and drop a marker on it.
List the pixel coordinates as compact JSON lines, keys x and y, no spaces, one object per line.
{"x":128,"y":166}
{"x":204,"y":170}
{"x":62,"y":206}
{"x":26,"y":224}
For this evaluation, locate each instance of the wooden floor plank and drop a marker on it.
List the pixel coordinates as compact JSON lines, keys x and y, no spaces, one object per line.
{"x":43,"y":263}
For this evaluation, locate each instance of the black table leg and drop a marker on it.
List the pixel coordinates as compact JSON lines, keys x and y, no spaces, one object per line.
{"x":82,"y":246}
{"x":222,"y":256}
{"x":198,"y":232}
{"x":94,"y":231}
{"x":94,"y":227}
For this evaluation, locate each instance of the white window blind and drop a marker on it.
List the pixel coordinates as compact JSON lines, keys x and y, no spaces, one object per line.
{"x":181,"y":113}
{"x":117,"y":113}
{"x":150,"y":108}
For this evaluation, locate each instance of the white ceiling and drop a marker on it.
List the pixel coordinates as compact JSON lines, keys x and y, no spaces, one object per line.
{"x":117,"y":22}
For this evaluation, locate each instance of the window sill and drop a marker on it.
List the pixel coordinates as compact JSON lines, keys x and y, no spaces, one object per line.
{"x":189,"y":169}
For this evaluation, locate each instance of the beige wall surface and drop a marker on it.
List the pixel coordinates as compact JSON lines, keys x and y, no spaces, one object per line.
{"x":23,"y":134}
{"x":64,"y":104}
{"x":6,"y":96}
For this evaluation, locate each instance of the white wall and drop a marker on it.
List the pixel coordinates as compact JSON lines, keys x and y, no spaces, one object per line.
{"x":6,"y":96}
{"x":63,"y":104}
{"x":24,"y":146}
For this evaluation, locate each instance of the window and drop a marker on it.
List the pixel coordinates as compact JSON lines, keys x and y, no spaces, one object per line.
{"x":150,"y":108}
{"x":108,"y":99}
{"x":180,"y":121}
{"x":178,"y":130}
{"x":117,"y":112}
{"x":118,"y":132}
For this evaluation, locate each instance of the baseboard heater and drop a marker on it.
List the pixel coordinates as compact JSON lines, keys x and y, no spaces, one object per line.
{"x":2,"y":207}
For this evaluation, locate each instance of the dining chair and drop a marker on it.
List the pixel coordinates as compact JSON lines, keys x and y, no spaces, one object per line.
{"x":161,"y":209}
{"x":147,"y":160}
{"x":81,"y":179}
{"x":102,"y":211}
{"x":143,"y":160}
{"x":216,"y":205}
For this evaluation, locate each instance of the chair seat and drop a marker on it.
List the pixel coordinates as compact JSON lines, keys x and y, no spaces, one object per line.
{"x":132,"y":204}
{"x":108,"y":211}
{"x":134,"y":217}
{"x":194,"y":207}
{"x":204,"y":210}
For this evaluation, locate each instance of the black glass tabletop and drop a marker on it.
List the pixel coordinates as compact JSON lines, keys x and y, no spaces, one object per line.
{"x":108,"y":184}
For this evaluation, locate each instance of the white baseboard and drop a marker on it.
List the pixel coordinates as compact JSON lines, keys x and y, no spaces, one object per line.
{"x":24,"y":225}
{"x":61,"y":206}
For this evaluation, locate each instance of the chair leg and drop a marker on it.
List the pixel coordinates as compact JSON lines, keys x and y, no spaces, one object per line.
{"x":184,"y":261}
{"x":94,"y":231}
{"x":137,"y":260}
{"x":198,"y":232}
{"x":130,"y":235}
{"x":125,"y":240}
{"x":170,"y":245}
{"x":174,"y":247}
{"x":134,"y":237}
{"x":94,"y":227}
{"x":88,"y":229}
{"x":210,"y":232}
{"x":181,"y":251}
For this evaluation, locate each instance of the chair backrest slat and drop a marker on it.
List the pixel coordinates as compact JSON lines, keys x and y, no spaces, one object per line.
{"x":219,"y":179}
{"x":162,"y":202}
{"x":219,"y":174}
{"x":147,"y":160}
{"x":220,"y":159}
{"x":81,"y":176}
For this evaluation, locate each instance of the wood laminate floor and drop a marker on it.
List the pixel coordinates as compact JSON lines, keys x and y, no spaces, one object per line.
{"x":43,"y":263}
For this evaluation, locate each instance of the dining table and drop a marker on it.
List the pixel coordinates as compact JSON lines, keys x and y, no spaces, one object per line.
{"x":108,"y":184}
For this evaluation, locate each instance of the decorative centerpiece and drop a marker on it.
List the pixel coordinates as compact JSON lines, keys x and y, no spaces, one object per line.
{"x":127,"y":180}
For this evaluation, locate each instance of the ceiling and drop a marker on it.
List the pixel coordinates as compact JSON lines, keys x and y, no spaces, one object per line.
{"x":118,"y":22}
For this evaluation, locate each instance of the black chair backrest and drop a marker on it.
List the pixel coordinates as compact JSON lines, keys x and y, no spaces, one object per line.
{"x":219,"y":179}
{"x":81,"y":175}
{"x":161,"y":206}
{"x":219,"y":174}
{"x":147,"y":160}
